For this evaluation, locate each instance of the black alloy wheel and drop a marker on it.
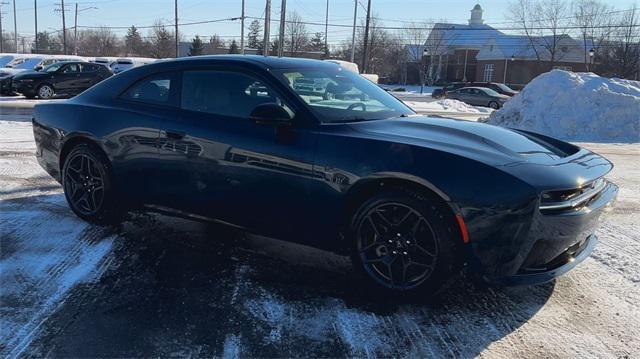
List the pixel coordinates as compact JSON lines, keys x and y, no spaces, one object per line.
{"x":402,"y":243}
{"x":87,"y":185}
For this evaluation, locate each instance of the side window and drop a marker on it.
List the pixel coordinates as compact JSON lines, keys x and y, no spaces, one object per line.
{"x":89,"y":68}
{"x":153,"y":89}
{"x":71,"y":68}
{"x":224,"y":93}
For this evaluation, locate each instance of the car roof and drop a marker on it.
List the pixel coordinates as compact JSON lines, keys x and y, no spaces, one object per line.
{"x":271,"y":62}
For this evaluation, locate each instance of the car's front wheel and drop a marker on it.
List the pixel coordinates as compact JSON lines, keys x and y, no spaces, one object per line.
{"x":494,"y":105}
{"x":88,"y":186}
{"x":45,"y":91}
{"x":403,"y":242}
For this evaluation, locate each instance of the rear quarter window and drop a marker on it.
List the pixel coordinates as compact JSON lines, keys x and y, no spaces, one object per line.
{"x":155,"y":89}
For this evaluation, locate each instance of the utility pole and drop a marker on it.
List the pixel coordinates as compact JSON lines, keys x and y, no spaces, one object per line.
{"x":365,"y":55}
{"x":283,"y":11}
{"x":176,"y":20}
{"x":64,"y":29}
{"x":15,"y":26}
{"x":326,"y":29}
{"x":353,"y":34}
{"x":1,"y":33}
{"x":75,"y":32}
{"x":35,"y":12}
{"x":267,"y":25}
{"x":242,"y":29}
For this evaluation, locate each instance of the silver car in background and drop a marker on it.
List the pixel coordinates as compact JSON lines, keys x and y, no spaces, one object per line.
{"x":478,"y":96}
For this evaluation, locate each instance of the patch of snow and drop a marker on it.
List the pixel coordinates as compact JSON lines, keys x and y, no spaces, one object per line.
{"x":231,"y":347}
{"x":447,"y":105}
{"x":575,"y":107}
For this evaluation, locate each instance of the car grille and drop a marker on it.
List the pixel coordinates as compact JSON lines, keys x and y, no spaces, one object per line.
{"x":573,"y":199}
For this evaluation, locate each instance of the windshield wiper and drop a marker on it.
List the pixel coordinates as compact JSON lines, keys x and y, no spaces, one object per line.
{"x":355,"y":119}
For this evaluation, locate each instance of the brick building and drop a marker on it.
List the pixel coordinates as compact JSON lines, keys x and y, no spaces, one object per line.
{"x":479,"y":52}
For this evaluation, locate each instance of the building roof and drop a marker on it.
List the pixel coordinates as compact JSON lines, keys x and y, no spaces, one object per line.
{"x":522,"y":48}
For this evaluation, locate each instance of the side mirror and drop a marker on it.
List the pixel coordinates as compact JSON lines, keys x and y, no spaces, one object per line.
{"x":38,"y":68}
{"x":271,"y":114}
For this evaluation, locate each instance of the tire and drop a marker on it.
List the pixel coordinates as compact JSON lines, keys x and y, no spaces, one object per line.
{"x":494,"y":105}
{"x":45,"y":91}
{"x":409,"y":249}
{"x":87,"y":180}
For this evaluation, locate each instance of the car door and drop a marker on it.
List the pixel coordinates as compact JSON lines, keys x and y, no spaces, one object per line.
{"x":88,"y":77}
{"x":475,"y":97}
{"x":66,"y":78}
{"x":230,"y":167}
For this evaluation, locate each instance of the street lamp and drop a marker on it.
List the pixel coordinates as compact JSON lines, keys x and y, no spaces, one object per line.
{"x":425,"y":53}
{"x":592,"y":54}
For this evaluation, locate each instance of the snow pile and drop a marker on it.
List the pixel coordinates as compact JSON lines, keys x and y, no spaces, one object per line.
{"x":576,"y":107}
{"x":454,"y":106}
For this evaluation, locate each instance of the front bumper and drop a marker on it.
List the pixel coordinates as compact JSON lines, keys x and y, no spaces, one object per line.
{"x":23,"y":87}
{"x":5,"y":85}
{"x":552,"y":245}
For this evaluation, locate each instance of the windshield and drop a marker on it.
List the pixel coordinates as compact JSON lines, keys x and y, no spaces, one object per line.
{"x":53,"y":67}
{"x":6,"y":59}
{"x":342,"y":96}
{"x":25,"y":63}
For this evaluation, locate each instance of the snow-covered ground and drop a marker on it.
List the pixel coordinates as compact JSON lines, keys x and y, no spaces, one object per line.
{"x":576,"y":107}
{"x":447,"y":106}
{"x":158,"y":286}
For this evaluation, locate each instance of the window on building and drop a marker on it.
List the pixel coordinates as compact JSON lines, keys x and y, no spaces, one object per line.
{"x":488,"y":72}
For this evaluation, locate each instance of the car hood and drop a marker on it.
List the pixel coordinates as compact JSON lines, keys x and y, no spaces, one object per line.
{"x":490,"y":144}
{"x":10,"y":71}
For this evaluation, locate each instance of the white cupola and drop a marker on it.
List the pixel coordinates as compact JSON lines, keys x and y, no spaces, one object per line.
{"x":476,"y":16}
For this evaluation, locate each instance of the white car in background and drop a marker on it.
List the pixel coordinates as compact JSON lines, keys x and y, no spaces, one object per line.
{"x":353,"y":67}
{"x":126,"y":63}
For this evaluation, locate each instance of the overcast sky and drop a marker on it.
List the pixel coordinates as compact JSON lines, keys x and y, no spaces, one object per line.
{"x":145,"y":12}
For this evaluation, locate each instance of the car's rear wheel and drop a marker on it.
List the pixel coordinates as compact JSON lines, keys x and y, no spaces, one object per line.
{"x":494,"y":105}
{"x":88,"y":186}
{"x":45,"y":91}
{"x":402,"y":242}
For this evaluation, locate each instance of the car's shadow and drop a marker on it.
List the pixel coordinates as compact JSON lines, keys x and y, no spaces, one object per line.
{"x":175,"y":287}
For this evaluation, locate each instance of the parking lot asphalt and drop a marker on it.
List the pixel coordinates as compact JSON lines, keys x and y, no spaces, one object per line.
{"x":160,"y":286}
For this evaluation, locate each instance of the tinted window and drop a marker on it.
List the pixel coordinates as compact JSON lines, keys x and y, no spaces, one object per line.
{"x":89,"y":68}
{"x":153,"y":89}
{"x":71,"y":68}
{"x":224,"y":93}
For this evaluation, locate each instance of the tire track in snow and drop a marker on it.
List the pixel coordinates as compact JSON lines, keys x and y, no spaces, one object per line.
{"x":52,"y":253}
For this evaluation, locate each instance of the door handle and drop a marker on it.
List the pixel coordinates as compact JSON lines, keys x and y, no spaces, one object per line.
{"x":175,"y":135}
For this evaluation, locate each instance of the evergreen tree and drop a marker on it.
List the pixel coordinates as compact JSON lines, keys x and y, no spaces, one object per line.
{"x":196,"y":46}
{"x":254,"y":37}
{"x":133,"y":41}
{"x":233,"y":48}
{"x":317,"y":42}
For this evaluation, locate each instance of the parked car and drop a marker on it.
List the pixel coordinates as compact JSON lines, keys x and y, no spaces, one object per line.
{"x":28,"y":62}
{"x":126,"y":63}
{"x":411,"y":198}
{"x":441,"y":92}
{"x":59,"y":79}
{"x":478,"y":96}
{"x":497,"y":87}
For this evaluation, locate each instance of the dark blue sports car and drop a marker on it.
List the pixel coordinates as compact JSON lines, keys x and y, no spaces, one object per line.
{"x":344,"y":167}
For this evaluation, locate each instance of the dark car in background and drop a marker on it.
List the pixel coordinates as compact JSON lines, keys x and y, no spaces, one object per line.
{"x":478,"y":96}
{"x":411,"y":198}
{"x":61,"y":79}
{"x":497,"y":87}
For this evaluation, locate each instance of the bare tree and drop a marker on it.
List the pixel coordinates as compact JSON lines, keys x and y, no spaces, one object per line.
{"x":417,"y":34}
{"x":296,"y":34}
{"x":216,"y":41}
{"x":626,"y":48}
{"x":521,"y":13}
{"x":436,"y":47}
{"x":594,"y":23}
{"x":161,"y":41}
